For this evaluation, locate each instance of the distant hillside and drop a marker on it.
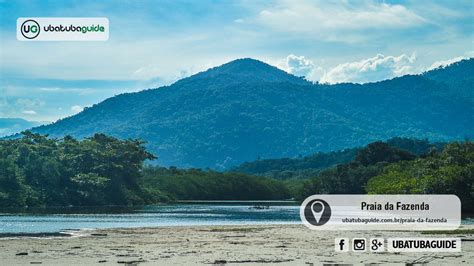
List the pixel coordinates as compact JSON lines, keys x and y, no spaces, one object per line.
{"x":458,"y":76}
{"x":246,"y":109}
{"x":10,"y":126}
{"x":311,"y":166}
{"x":458,"y":71}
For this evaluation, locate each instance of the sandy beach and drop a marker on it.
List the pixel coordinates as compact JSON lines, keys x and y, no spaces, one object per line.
{"x":233,"y":245}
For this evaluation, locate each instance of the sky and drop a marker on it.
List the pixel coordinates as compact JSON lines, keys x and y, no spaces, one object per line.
{"x":154,"y":43}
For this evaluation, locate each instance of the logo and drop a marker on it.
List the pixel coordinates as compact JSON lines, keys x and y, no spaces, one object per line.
{"x":62,"y":29}
{"x":341,"y":244}
{"x":315,"y":211}
{"x":377,"y":245}
{"x":30,"y":29}
{"x":359,"y":244}
{"x":418,"y":244}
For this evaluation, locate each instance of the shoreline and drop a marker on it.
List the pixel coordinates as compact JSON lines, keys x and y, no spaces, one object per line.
{"x":281,"y":244}
{"x":83,"y":231}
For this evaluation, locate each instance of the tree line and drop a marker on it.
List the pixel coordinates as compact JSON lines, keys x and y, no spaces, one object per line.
{"x":382,"y":169}
{"x":312,"y":165}
{"x":102,"y":170}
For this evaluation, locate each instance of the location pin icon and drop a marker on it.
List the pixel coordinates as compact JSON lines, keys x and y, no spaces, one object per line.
{"x":317,"y":208}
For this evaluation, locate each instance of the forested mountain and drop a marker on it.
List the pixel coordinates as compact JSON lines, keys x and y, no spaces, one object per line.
{"x":457,"y":72}
{"x":458,"y":76}
{"x":246,"y":109}
{"x":9,"y":126}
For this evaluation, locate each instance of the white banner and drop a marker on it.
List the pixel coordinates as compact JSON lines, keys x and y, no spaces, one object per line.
{"x":381,"y":212}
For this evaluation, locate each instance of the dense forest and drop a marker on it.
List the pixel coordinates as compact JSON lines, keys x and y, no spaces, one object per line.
{"x":101,"y":170}
{"x":382,"y":169}
{"x":448,"y":172}
{"x":196,"y":184}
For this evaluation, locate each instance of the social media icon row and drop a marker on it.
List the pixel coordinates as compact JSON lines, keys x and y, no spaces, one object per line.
{"x":359,"y":245}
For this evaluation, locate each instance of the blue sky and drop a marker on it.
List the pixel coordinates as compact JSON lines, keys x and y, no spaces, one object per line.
{"x":153,"y":43}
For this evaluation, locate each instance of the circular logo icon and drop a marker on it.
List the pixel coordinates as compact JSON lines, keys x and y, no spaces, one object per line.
{"x":30,"y":29}
{"x":315,"y":212}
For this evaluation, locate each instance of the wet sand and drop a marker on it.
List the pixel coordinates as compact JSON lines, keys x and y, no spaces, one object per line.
{"x":232,"y":245}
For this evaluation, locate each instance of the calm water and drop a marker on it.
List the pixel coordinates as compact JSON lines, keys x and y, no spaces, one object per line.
{"x":53,"y":220}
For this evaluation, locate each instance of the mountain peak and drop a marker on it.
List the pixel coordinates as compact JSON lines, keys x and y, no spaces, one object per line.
{"x":247,"y":63}
{"x":249,"y":70}
{"x":247,"y":109}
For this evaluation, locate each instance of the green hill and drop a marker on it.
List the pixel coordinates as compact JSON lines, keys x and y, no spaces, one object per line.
{"x":246,"y":109}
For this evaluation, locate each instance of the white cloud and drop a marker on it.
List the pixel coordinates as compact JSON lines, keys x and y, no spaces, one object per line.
{"x":29,"y":112}
{"x":328,"y":20}
{"x":372,"y":69}
{"x":443,"y":63}
{"x":76,"y":109}
{"x":298,"y":65}
{"x":55,"y":89}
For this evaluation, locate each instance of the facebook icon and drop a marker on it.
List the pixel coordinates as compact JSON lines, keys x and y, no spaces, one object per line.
{"x":341,"y":244}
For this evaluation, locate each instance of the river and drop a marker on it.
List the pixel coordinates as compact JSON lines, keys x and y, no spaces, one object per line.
{"x":192,"y":213}
{"x":55,"y":220}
